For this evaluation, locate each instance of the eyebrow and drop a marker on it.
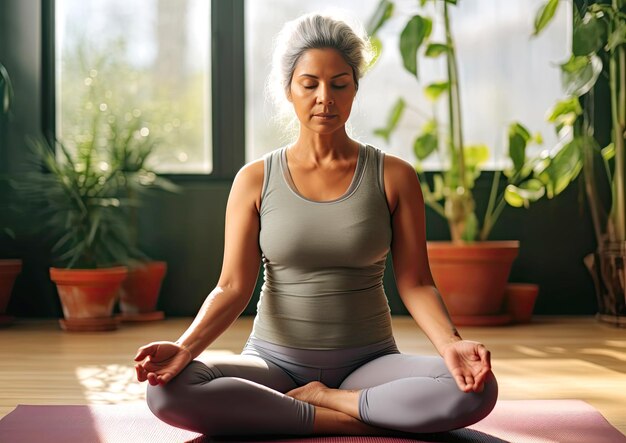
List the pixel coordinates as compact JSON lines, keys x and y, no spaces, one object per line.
{"x":316,"y":77}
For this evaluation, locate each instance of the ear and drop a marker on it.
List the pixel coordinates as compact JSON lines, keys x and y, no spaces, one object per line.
{"x":288,"y":94}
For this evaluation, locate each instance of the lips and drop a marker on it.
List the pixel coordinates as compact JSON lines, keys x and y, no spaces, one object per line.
{"x":325,"y":115}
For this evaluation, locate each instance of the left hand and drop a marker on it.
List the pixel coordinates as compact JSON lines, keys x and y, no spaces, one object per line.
{"x":469,"y":363}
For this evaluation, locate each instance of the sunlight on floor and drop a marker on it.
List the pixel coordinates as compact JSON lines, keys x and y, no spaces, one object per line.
{"x":114,"y":383}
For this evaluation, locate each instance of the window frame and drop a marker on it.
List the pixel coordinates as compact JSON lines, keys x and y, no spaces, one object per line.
{"x":227,"y":100}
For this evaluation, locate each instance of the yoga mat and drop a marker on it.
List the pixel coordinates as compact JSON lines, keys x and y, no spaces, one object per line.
{"x":519,"y":421}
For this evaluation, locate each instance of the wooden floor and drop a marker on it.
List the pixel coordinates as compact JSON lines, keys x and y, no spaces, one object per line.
{"x":552,"y":358}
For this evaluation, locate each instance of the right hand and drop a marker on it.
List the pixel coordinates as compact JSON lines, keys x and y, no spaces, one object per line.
{"x":160,"y":361}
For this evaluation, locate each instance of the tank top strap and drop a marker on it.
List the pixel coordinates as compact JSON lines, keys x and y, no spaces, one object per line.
{"x":374,"y":169}
{"x":271,"y":169}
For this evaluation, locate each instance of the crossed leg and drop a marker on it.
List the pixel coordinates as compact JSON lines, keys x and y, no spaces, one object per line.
{"x":244,"y":395}
{"x":406,"y":393}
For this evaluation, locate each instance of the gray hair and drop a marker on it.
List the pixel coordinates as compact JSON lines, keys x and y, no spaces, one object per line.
{"x":315,"y":31}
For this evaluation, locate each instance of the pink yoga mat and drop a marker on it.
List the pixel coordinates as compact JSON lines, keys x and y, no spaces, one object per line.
{"x":519,"y":421}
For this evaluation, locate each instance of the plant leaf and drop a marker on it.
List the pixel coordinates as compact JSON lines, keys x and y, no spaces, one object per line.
{"x":579,"y":74}
{"x":518,"y":139}
{"x":545,"y":14}
{"x":608,"y":152}
{"x":617,"y":37}
{"x":436,"y":49}
{"x":434,"y":90}
{"x":425,"y":144}
{"x":417,"y":29}
{"x":377,"y":47}
{"x":565,"y":111}
{"x":392,"y":119}
{"x":588,"y":36}
{"x":383,"y":12}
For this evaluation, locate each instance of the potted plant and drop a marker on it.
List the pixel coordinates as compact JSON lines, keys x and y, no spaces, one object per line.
{"x":470,"y":272}
{"x":126,"y":138}
{"x":598,"y":50}
{"x":9,"y":267}
{"x":74,"y":196}
{"x":130,"y":146}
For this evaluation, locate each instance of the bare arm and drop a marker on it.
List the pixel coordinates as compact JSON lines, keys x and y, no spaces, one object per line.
{"x":469,"y":362}
{"x":240,"y":264}
{"x":410,"y":258}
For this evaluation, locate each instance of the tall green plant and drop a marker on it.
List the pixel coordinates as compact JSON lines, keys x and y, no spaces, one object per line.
{"x":451,"y":194}
{"x":119,"y":133}
{"x":598,"y":48}
{"x":128,"y":145}
{"x":73,"y":198}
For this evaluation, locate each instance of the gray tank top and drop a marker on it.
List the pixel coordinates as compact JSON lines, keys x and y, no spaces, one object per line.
{"x":324,"y":261}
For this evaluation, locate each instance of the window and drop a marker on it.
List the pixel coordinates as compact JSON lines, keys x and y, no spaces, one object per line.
{"x":145,"y":64}
{"x":505,"y":75}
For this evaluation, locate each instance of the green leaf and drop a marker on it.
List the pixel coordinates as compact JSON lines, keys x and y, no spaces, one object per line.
{"x":518,"y":139}
{"x":608,"y":152}
{"x":563,"y":168}
{"x":383,"y":133}
{"x":383,"y":12}
{"x":617,"y":37}
{"x":565,"y":111}
{"x":529,"y":191}
{"x":588,"y":36}
{"x":436,"y":49}
{"x":476,"y":155}
{"x":579,"y":74}
{"x":434,"y":90}
{"x":424,"y":145}
{"x":544,"y":15}
{"x":377,"y":48}
{"x":413,"y":35}
{"x":392,"y":119}
{"x":512,"y":197}
{"x":438,"y":187}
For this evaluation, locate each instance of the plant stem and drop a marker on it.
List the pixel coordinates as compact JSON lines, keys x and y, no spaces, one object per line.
{"x":618,"y":104}
{"x":488,"y":221}
{"x":454,"y":102}
{"x":589,"y":167}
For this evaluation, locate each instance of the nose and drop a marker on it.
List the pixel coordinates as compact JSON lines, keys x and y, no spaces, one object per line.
{"x":325,"y":95}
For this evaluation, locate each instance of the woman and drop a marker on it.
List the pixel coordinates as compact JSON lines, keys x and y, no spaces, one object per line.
{"x":322,"y":215}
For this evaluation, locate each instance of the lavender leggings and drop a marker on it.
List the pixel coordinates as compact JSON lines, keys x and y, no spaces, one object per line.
{"x":244,"y":394}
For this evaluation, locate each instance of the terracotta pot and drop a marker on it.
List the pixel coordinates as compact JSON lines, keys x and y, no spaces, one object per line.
{"x":520,"y":301}
{"x":9,"y":270}
{"x":140,"y":292}
{"x":472,"y":276}
{"x":88,"y":296}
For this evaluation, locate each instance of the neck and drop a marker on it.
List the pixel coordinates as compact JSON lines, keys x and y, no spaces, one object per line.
{"x":321,"y":148}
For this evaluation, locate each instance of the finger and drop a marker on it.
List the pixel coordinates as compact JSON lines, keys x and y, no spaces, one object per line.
{"x":143,"y":352}
{"x":478,"y":387}
{"x":460,"y":381}
{"x":166,"y":377}
{"x":141,"y":373}
{"x":152,"y":379}
{"x":481,"y":378}
{"x":485,"y":356}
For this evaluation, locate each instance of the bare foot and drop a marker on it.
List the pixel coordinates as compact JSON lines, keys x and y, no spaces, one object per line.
{"x":311,"y":393}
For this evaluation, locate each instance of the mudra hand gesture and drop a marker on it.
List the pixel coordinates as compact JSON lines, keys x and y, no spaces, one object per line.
{"x":469,"y":363}
{"x":160,"y":361}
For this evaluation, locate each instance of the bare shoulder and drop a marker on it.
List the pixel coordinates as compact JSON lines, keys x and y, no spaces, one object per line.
{"x":399,"y":177}
{"x":249,"y":181}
